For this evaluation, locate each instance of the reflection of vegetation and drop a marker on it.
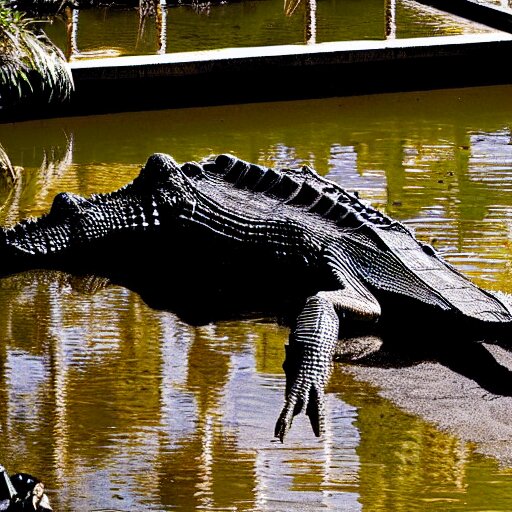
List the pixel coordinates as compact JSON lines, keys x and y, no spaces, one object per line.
{"x":154,"y":8}
{"x":290,"y":6}
{"x":120,"y":393}
{"x":38,"y":184}
{"x":9,"y":180}
{"x":7,"y":171}
{"x":29,"y":62}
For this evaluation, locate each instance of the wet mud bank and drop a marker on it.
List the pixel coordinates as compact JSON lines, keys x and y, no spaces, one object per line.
{"x":469,"y":395}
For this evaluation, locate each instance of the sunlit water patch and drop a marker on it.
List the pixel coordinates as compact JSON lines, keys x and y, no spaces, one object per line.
{"x":108,"y":32}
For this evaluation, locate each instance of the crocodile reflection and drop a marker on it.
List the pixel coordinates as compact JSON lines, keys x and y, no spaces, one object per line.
{"x":224,"y":299}
{"x":120,"y":379}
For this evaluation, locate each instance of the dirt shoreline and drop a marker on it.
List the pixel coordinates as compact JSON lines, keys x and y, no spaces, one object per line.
{"x":453,"y":402}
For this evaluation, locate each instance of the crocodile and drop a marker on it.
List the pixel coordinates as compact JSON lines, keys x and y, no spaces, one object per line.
{"x":347,"y":263}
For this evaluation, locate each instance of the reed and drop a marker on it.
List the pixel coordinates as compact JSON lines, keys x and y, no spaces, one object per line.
{"x":7,"y":171}
{"x":29,"y":62}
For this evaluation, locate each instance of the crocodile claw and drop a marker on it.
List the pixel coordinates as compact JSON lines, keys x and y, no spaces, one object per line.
{"x":308,"y":395}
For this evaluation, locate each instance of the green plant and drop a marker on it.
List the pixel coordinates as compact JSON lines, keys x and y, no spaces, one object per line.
{"x":29,"y":61}
{"x":7,"y":171}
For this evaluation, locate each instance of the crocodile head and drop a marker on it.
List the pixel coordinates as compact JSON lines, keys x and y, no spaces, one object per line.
{"x":162,"y":194}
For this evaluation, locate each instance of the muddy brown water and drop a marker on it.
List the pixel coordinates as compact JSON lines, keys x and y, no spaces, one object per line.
{"x":117,"y":406}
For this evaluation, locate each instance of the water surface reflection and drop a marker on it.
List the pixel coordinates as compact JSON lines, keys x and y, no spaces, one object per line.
{"x":130,"y":408}
{"x":107,"y":32}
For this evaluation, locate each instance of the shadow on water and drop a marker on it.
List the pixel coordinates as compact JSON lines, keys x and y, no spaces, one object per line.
{"x":459,"y":383}
{"x":430,"y":369}
{"x":201,"y":285}
{"x":183,"y":468}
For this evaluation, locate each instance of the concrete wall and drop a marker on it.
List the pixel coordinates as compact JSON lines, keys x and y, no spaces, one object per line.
{"x":283,"y":73}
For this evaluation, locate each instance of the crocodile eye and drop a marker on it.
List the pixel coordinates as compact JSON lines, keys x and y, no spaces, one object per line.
{"x":159,"y":168}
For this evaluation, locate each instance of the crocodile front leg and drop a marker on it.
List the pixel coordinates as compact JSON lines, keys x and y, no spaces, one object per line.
{"x":308,"y":364}
{"x":309,"y":354}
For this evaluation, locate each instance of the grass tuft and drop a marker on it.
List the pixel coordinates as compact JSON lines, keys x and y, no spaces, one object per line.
{"x":29,"y":61}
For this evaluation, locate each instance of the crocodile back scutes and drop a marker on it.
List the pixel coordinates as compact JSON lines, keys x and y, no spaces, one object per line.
{"x":302,"y":188}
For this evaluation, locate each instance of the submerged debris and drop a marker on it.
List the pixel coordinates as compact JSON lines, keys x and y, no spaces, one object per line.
{"x":21,"y":492}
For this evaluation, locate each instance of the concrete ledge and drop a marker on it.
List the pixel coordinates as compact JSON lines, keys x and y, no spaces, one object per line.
{"x":285,"y":72}
{"x":292,"y":71}
{"x":336,"y":52}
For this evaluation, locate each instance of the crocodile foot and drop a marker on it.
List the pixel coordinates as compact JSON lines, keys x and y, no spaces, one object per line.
{"x":304,"y":394}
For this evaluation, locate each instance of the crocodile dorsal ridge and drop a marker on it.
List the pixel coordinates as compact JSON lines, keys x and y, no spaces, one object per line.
{"x":303,"y":188}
